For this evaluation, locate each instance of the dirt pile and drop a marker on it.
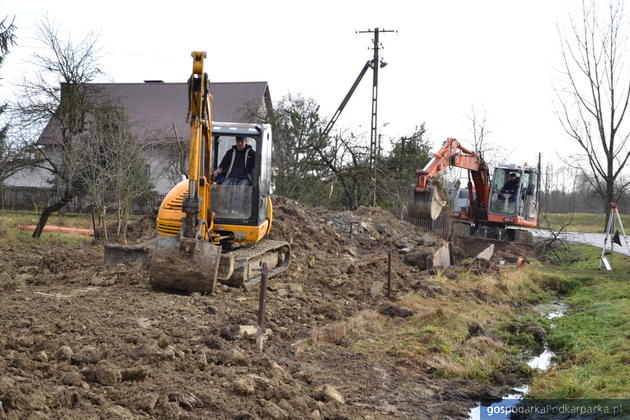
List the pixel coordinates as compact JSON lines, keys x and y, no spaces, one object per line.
{"x":307,"y":228}
{"x":345,"y":253}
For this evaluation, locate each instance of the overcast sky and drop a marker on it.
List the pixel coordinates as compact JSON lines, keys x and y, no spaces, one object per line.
{"x":499,"y":56}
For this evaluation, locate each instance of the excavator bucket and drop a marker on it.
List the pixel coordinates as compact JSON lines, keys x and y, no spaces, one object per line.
{"x":427,"y":204}
{"x":123,"y":254}
{"x":184,"y":264}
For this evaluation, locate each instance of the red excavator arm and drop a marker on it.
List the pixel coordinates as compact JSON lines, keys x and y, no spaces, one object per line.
{"x":423,"y":203}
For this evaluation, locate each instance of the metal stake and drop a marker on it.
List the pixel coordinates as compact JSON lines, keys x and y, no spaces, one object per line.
{"x":260,"y":334}
{"x":389,"y":274}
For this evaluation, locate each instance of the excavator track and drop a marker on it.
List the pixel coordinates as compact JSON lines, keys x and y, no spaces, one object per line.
{"x":241,"y":267}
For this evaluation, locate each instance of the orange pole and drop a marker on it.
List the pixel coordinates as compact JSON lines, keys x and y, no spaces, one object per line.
{"x":59,"y":229}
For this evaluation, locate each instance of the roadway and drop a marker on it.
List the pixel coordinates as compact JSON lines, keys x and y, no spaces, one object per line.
{"x":594,"y":239}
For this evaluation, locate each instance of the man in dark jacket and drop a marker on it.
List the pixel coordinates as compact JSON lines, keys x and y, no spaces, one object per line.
{"x":237,"y":164}
{"x":510,"y":187}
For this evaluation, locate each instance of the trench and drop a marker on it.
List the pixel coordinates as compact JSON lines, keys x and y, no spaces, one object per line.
{"x":542,"y":362}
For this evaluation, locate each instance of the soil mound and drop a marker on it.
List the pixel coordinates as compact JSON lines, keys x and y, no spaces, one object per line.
{"x":310,"y":228}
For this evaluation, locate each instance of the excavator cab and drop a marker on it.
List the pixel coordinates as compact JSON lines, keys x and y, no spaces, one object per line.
{"x":513,"y":198}
{"x":242,"y":212}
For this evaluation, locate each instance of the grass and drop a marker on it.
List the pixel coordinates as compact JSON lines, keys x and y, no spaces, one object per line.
{"x":10,"y":234}
{"x":437,"y":339}
{"x":593,"y":339}
{"x":579,"y":222}
{"x":31,"y":217}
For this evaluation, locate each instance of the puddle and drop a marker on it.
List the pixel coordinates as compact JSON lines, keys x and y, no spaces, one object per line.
{"x":541,"y":362}
{"x":551,"y":310}
{"x":508,"y":401}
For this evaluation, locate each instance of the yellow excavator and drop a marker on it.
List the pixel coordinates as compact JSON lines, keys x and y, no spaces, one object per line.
{"x":207,"y":230}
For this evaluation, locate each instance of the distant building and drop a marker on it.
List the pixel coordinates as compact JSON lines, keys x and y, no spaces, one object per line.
{"x":157,"y":112}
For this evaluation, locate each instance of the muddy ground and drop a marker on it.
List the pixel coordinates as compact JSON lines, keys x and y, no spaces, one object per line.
{"x":82,"y":340}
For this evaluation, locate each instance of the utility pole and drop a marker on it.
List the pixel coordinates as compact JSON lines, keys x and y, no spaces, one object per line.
{"x":376,"y":64}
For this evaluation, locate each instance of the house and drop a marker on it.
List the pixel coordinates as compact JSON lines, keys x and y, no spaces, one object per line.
{"x":157,"y":112}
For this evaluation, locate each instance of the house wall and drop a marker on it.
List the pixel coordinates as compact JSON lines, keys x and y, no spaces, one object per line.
{"x":162,"y":177}
{"x":29,"y":177}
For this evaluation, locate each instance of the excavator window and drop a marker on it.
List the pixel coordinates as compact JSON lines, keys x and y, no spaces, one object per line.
{"x":523,"y":193}
{"x":530,"y":197}
{"x":505,"y":190}
{"x":225,"y":143}
{"x":461,"y":202}
{"x":232,"y":202}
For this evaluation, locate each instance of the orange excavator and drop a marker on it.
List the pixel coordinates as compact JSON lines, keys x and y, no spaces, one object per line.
{"x":497,"y":208}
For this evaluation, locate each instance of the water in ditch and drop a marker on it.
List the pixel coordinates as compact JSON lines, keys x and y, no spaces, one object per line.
{"x":541,"y":362}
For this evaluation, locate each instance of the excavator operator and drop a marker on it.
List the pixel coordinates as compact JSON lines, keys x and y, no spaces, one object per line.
{"x":510,"y":187}
{"x":237,"y":164}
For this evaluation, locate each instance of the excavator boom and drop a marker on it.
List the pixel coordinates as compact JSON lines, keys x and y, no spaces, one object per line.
{"x":426,"y":200}
{"x":190,"y":260}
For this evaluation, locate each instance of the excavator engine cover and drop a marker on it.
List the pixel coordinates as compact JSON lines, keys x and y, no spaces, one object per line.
{"x":425,"y":204}
{"x":185,"y":264}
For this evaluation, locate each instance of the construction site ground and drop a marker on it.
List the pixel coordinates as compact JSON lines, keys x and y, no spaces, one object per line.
{"x":82,"y":340}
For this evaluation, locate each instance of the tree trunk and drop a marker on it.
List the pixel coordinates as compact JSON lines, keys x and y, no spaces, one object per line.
{"x":105,"y":232}
{"x":43,"y":219}
{"x":62,"y":216}
{"x":118,"y":222}
{"x":124,"y":227}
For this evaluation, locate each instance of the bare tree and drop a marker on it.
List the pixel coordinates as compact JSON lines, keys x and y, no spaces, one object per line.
{"x":343,"y":160}
{"x":397,"y":172}
{"x":128,"y":169}
{"x":479,"y":130}
{"x":59,"y":95}
{"x":297,"y":142}
{"x":113,"y":172}
{"x":174,"y":155}
{"x":594,"y":103}
{"x":492,"y":152}
{"x":554,"y":247}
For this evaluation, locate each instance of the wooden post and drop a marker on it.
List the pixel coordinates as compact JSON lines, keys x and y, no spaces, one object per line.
{"x":260,"y":335}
